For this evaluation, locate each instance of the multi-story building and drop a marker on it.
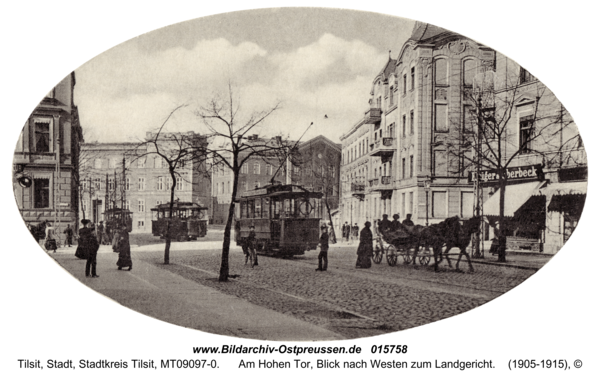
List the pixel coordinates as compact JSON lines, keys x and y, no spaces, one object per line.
{"x":413,"y":151}
{"x":47,"y":155}
{"x":129,"y":175}
{"x":314,"y":164}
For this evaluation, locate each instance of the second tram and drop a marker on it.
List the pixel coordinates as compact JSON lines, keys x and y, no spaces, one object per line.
{"x":187,"y":223}
{"x":286,"y":219}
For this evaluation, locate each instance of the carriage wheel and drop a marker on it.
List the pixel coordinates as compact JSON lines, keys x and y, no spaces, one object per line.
{"x":390,"y":255}
{"x":377,"y":254}
{"x":425,"y":256}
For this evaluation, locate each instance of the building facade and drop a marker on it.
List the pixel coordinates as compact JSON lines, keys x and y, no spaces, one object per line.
{"x":417,"y":145}
{"x":129,"y":175}
{"x":47,"y":153}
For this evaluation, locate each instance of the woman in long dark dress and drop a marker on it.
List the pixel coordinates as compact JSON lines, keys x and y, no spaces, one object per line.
{"x":365,"y":248}
{"x":124,"y":250}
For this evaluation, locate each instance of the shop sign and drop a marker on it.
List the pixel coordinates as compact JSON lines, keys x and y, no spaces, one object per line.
{"x":523,"y":173}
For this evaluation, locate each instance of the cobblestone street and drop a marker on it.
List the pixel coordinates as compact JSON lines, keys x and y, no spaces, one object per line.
{"x":351,"y":302}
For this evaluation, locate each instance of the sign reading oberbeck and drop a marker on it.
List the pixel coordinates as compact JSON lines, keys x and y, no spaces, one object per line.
{"x":524,"y":173}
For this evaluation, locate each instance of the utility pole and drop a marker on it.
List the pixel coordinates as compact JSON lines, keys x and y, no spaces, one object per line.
{"x":477,"y":252}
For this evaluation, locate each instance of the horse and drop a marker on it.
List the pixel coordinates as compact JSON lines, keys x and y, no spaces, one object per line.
{"x":449,"y":233}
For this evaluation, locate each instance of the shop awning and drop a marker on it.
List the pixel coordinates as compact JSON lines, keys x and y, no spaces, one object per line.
{"x":567,"y":197}
{"x":515,"y":196}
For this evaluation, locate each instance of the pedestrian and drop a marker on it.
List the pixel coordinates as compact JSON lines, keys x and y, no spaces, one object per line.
{"x":50,"y":242}
{"x":355,"y":231}
{"x":100,"y":232}
{"x":90,"y":246}
{"x":69,"y":232}
{"x":124,"y":249}
{"x":324,"y":244}
{"x":81,"y":252}
{"x":407,"y":221}
{"x":365,"y":247}
{"x":251,"y":247}
{"x":346,"y":232}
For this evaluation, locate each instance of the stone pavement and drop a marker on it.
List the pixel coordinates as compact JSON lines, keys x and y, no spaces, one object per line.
{"x":161,"y":294}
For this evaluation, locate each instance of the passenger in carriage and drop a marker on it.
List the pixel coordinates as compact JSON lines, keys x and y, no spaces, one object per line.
{"x":384,"y":225}
{"x":407,"y":221}
{"x":395,"y":223}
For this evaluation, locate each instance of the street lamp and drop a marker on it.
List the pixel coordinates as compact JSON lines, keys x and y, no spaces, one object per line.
{"x":427,"y":186}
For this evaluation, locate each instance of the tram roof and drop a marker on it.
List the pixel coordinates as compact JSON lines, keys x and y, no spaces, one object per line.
{"x":180,"y":206}
{"x":117,"y":210}
{"x":281,"y":190}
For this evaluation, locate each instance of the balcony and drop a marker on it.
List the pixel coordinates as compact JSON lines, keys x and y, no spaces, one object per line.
{"x":384,"y":147}
{"x":357,"y":189}
{"x":373,"y":115}
{"x":381,"y":184}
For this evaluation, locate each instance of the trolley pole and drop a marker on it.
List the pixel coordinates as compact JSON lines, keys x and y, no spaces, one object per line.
{"x":478,"y":190}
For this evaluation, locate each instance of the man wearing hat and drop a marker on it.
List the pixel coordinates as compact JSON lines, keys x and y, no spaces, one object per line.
{"x":324,"y":243}
{"x":395,"y":223}
{"x":89,"y":247}
{"x":407,"y":221}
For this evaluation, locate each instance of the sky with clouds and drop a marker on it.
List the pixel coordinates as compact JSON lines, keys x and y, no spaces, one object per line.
{"x":311,"y":61}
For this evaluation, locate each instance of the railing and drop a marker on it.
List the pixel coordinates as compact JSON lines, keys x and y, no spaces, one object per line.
{"x":386,"y":180}
{"x":373,"y":115}
{"x":373,"y":182}
{"x":388,"y":142}
{"x":357,"y":187}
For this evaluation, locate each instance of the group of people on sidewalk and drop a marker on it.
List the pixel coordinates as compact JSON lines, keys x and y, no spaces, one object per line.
{"x":349,"y":232}
{"x":89,"y":244}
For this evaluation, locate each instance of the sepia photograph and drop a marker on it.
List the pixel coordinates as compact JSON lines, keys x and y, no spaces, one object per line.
{"x":268,"y":176}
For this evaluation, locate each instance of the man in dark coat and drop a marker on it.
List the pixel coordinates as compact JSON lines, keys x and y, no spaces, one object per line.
{"x":324,"y":243}
{"x":124,"y":249}
{"x":407,"y":221}
{"x":384,"y":225}
{"x":365,"y":247}
{"x":355,"y":230}
{"x":251,"y":245}
{"x":89,"y":245}
{"x":395,"y":223}
{"x":69,"y":232}
{"x":346,"y":231}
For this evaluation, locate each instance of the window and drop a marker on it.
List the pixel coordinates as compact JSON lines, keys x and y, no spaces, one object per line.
{"x":410,"y":203}
{"x":379,"y":102}
{"x":404,"y":125}
{"x":222,"y":187}
{"x":111,"y":184}
{"x":228,"y":187}
{"x":525,"y":76}
{"x":441,"y":72}
{"x":41,"y":193}
{"x":391,"y":95}
{"x":441,"y":117}
{"x":245,"y":168}
{"x":404,"y":84}
{"x":269,"y":169}
{"x":296,"y":170}
{"x":466,"y":204}
{"x":412,"y":78}
{"x":179,"y":183}
{"x":403,"y":167}
{"x":412,"y":122}
{"x":526,"y":133}
{"x":127,"y":205}
{"x":410,"y":167}
{"x":169,"y":183}
{"x":140,"y":224}
{"x":141,"y":163}
{"x":112,"y":163}
{"x":469,"y":71}
{"x":438,"y":204}
{"x":158,"y":202}
{"x":141,"y":183}
{"x":98,"y":163}
{"x":141,"y":206}
{"x":163,"y":163}
{"x":160,"y":183}
{"x":439,"y":163}
{"x":42,"y":136}
{"x":403,"y":206}
{"x":127,"y":183}
{"x":97,"y":184}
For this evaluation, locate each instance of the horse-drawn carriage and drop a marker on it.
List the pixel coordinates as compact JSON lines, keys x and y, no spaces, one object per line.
{"x":422,"y":243}
{"x":402,"y":241}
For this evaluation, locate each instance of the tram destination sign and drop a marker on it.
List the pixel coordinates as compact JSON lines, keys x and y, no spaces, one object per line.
{"x":522,"y":173}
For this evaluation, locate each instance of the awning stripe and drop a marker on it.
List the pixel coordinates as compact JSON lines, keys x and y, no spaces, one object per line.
{"x":515,"y":196}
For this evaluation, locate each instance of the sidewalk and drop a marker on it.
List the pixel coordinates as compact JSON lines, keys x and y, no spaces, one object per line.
{"x":166,"y":296}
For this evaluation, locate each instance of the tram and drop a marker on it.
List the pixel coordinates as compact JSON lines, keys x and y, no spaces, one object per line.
{"x":286,"y":219}
{"x":188,"y":221}
{"x":115,"y":218}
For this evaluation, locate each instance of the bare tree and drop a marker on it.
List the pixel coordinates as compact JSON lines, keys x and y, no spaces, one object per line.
{"x":234,"y":141}
{"x":492,"y":136}
{"x":175,"y":150}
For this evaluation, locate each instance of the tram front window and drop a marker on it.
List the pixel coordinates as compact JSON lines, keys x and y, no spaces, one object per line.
{"x":275,"y":208}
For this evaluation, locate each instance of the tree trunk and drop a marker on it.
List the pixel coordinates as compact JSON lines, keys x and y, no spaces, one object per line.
{"x":330,"y":221}
{"x":501,"y":221}
{"x":168,"y":232}
{"x":224,"y":271}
